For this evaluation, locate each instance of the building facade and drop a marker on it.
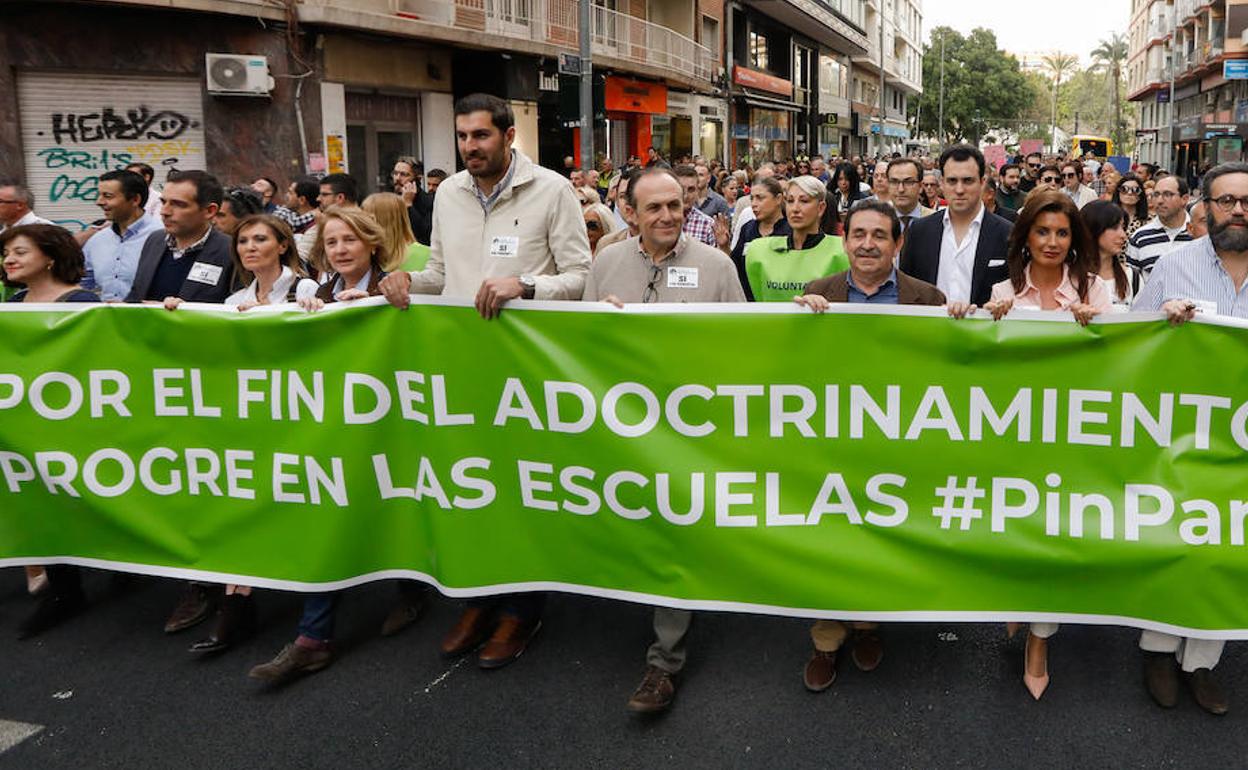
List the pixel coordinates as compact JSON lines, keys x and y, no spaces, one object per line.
{"x":1183,"y":73}
{"x":895,"y":50}
{"x":254,"y":87}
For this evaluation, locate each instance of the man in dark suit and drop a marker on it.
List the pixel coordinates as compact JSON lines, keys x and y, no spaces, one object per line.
{"x":962,"y":248}
{"x":189,"y":259}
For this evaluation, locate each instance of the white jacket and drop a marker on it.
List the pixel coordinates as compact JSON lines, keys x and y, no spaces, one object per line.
{"x":534,"y":228}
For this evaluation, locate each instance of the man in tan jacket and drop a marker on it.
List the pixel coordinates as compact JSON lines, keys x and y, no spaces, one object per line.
{"x":503,"y":229}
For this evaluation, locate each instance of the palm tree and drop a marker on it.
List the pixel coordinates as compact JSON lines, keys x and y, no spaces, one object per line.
{"x":1109,"y":57}
{"x":1059,"y":65}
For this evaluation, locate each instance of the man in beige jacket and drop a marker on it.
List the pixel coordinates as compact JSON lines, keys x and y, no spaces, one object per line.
{"x":503,"y":229}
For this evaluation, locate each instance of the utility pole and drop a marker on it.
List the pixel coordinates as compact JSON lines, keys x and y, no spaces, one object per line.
{"x":879,"y":144}
{"x":940,"y":131}
{"x":587,"y":86}
{"x":1171,"y":155}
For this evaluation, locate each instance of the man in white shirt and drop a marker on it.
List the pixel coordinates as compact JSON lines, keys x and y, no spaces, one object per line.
{"x":962,"y":248}
{"x":16,"y":202}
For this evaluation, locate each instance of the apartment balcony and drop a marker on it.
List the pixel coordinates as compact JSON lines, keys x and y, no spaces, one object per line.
{"x":538,"y":27}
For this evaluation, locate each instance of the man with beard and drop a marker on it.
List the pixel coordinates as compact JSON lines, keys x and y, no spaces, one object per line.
{"x":1208,"y":275}
{"x":405,"y":179}
{"x":504,"y":229}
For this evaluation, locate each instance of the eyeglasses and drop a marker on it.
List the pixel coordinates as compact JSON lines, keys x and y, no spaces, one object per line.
{"x":1227,"y":202}
{"x":652,"y":292}
{"x":1048,"y":180}
{"x":1129,"y":190}
{"x":1069,"y":176}
{"x":1035,"y":165}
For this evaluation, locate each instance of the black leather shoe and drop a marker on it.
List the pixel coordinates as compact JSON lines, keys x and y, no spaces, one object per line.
{"x":193,"y":608}
{"x":51,"y":609}
{"x":236,"y":621}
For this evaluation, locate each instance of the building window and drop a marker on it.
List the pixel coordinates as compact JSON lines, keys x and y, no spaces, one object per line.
{"x":710,"y":35}
{"x":758,"y":50}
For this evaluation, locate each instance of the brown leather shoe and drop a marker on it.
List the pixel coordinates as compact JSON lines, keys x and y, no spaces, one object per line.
{"x":820,"y":671}
{"x":508,"y":642}
{"x":1161,"y":676}
{"x":655,"y":693}
{"x":468,"y":632}
{"x":1208,"y":693}
{"x":291,"y":662}
{"x":194,"y":607}
{"x":868,"y":649}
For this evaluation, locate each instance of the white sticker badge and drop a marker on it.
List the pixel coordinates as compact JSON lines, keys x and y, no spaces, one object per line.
{"x":682,"y":278}
{"x":505,"y":246}
{"x":202,"y":272}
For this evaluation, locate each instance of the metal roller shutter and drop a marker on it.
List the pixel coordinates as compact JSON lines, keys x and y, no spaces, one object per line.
{"x":78,"y":126}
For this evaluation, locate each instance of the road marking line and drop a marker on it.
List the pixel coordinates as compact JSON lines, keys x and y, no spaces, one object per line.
{"x":445,"y":674}
{"x":13,"y":733}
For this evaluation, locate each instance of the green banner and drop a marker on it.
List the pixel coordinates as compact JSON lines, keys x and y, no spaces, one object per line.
{"x":867,"y":463}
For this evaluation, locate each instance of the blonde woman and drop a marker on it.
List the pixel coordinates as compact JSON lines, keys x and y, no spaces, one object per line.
{"x":406,"y":252}
{"x":599,"y":221}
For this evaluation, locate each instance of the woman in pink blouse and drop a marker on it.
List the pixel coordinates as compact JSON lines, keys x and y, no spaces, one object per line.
{"x":1052,"y":262}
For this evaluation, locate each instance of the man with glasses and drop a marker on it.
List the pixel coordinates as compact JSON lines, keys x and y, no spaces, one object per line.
{"x":661,"y":264}
{"x":1050,"y":179}
{"x":16,"y":202}
{"x":1208,"y":275}
{"x":905,"y":175}
{"x":1032,"y":166}
{"x":1166,"y":231}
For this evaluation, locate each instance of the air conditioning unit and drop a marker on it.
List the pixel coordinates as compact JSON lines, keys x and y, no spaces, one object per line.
{"x":238,"y":74}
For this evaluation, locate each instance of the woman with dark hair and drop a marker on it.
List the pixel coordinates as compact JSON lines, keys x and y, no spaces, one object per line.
{"x":1107,"y":227}
{"x":46,"y":264}
{"x":846,"y":187}
{"x":1130,"y":195}
{"x":1052,"y":265}
{"x":767,"y":204}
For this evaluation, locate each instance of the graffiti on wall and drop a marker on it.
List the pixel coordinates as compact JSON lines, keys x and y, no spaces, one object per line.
{"x":68,"y":147}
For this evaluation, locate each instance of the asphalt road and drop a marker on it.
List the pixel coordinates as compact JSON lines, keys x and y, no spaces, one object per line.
{"x":109,"y":689}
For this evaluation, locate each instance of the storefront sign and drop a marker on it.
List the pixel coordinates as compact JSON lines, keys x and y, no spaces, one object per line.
{"x":1188,"y":128}
{"x":1163,"y":96}
{"x":761,"y":81}
{"x":569,"y":64}
{"x":625,"y":95}
{"x":829,"y":119}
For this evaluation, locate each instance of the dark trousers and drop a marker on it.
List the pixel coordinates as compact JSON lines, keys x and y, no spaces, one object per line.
{"x":527,"y":607}
{"x":319,"y":613}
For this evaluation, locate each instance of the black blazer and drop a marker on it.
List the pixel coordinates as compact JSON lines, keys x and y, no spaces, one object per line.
{"x":920,"y":255}
{"x":215,"y":251}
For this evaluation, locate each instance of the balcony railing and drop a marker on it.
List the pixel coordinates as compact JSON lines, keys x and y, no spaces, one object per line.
{"x":551,"y":22}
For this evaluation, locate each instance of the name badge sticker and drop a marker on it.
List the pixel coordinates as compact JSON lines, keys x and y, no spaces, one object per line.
{"x":682,"y":278}
{"x":202,"y":272}
{"x":505,"y":246}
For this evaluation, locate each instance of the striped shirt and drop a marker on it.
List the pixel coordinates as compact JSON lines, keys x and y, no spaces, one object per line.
{"x":1193,"y":272}
{"x":1154,"y":240}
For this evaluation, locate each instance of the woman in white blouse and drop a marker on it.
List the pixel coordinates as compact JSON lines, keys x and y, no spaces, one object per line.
{"x":264,"y":251}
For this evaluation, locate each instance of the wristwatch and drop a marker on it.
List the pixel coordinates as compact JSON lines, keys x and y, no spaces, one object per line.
{"x":529,"y":284}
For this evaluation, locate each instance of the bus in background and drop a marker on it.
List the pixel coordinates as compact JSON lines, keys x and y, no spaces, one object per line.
{"x":1101,"y":147}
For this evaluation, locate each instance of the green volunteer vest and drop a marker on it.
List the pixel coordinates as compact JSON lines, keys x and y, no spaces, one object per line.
{"x":777,"y":274}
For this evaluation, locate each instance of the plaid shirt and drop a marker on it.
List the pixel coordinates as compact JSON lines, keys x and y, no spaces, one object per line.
{"x":297,"y":222}
{"x":699,"y":227}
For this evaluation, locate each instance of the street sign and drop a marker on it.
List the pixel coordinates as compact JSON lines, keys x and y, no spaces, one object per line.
{"x":1235,"y":69}
{"x":569,"y":64}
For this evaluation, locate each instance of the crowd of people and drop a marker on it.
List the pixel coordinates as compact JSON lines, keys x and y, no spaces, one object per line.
{"x":1043,"y":233}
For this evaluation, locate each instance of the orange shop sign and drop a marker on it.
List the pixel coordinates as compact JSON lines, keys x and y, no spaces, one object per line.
{"x":626,"y":95}
{"x":761,"y":80}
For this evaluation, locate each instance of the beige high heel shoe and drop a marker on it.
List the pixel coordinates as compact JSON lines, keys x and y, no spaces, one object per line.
{"x":1035,"y":685}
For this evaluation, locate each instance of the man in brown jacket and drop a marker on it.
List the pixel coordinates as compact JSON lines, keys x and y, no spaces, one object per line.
{"x":872,"y":240}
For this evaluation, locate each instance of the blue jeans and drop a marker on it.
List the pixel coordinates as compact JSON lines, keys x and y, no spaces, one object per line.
{"x":319,"y":612}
